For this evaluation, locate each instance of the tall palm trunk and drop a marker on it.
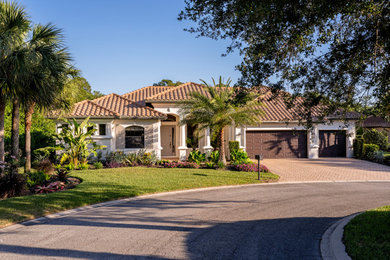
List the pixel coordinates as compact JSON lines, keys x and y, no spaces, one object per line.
{"x":29,"y":110}
{"x":2,"y":113}
{"x":15,"y":128}
{"x":222,"y":156}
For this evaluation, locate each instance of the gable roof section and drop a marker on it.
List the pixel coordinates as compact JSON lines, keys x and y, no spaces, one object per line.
{"x":126,"y":107}
{"x":140,"y":95}
{"x":178,"y":93}
{"x":110,"y":106}
{"x":375,"y":121}
{"x":86,"y":108}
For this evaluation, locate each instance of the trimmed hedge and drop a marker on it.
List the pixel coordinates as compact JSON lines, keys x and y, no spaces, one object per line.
{"x":234,"y":146}
{"x":358,"y":147}
{"x":375,"y":137}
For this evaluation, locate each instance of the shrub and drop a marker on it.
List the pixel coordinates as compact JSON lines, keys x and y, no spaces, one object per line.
{"x":69,"y":167}
{"x":12,"y":183}
{"x":375,"y":137}
{"x":175,"y":164}
{"x":239,"y":156}
{"x":233,"y":146}
{"x":211,"y":165}
{"x":115,"y":164}
{"x":249,"y":167}
{"x":214,"y":157}
{"x":84,"y":166}
{"x":98,"y":165}
{"x":51,"y":187}
{"x":358,"y":147}
{"x":379,"y":156}
{"x":220,"y":165}
{"x":386,"y":160}
{"x":62,"y":174}
{"x":132,"y":159}
{"x":196,"y":157}
{"x":118,"y":157}
{"x":146,"y":158}
{"x":369,"y":151}
{"x":37,"y":178}
{"x":44,"y":165}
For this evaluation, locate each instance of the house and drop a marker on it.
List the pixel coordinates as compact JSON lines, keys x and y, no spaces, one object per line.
{"x":148,"y":118}
{"x":378,"y":123}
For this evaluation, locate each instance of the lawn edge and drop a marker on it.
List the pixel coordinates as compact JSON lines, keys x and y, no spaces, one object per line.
{"x":331,"y":245}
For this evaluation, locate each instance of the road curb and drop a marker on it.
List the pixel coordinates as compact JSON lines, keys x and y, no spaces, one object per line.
{"x":65,"y":213}
{"x":332,"y":246}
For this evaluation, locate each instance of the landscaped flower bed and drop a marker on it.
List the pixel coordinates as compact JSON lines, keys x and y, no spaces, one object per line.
{"x":249,"y":167}
{"x":174,"y":164}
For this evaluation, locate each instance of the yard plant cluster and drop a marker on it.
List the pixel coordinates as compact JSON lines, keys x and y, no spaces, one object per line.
{"x":372,"y":145}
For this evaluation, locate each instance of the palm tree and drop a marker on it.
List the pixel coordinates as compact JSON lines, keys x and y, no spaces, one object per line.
{"x":218,"y":108}
{"x":14,"y":25}
{"x":48,"y":65}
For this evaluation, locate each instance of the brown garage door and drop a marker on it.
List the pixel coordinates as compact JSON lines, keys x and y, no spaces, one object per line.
{"x":277,"y":144}
{"x":332,"y":143}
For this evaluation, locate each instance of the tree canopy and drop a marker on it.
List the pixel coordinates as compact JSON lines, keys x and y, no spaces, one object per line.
{"x":332,"y":52}
{"x":167,"y":82}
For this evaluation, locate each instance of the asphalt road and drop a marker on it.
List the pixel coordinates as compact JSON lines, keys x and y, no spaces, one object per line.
{"x":282,"y":221}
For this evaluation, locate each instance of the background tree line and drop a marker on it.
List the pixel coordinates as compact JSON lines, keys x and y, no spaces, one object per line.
{"x":333,"y":53}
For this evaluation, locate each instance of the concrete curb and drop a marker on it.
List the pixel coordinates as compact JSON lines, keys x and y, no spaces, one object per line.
{"x":65,"y":213}
{"x":332,"y":246}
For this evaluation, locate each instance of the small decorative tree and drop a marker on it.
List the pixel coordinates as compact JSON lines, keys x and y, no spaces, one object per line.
{"x":74,"y":141}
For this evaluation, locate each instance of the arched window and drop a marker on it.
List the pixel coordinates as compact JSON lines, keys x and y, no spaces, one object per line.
{"x":135,"y":137}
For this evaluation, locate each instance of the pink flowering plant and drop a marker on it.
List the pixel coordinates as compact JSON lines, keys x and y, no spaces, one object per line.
{"x":51,"y":187}
{"x":249,"y":167}
{"x":174,"y":164}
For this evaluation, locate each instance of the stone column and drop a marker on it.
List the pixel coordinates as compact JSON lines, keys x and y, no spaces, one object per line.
{"x":159,"y":147}
{"x":313,"y":143}
{"x":183,"y":145}
{"x":207,"y":148}
{"x":243,"y":139}
{"x":351,"y":132}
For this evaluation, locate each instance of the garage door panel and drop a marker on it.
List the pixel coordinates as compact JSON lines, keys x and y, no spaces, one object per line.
{"x":277,"y":144}
{"x":332,"y":143}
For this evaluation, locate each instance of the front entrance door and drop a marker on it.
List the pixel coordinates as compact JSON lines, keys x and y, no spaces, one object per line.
{"x":168,"y":140}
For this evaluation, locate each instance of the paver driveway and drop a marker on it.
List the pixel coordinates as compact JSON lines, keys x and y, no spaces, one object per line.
{"x":328,"y":169}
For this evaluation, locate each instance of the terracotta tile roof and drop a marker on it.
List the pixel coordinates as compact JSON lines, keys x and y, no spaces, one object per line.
{"x":140,"y":95}
{"x":375,"y":121}
{"x":84,"y":109}
{"x":110,"y":106}
{"x":275,"y":108}
{"x":132,"y":104}
{"x":126,"y":107}
{"x":177,"y":93}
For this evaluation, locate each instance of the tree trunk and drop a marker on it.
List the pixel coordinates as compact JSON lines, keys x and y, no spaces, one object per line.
{"x":29,"y":110}
{"x":2,"y":112}
{"x":222,"y":156}
{"x":15,"y":129}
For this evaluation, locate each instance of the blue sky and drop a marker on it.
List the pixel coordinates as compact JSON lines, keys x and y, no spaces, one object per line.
{"x":122,"y":45}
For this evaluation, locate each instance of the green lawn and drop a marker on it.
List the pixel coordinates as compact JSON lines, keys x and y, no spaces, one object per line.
{"x":110,"y":184}
{"x":367,"y":236}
